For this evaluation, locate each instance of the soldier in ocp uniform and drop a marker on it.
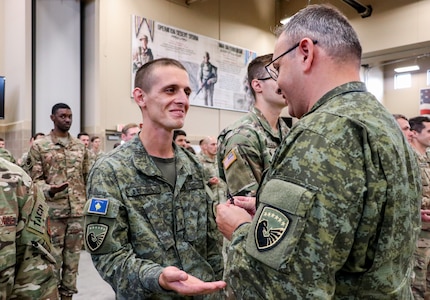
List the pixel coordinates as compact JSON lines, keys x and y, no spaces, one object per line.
{"x":58,"y":164}
{"x":149,"y":222}
{"x":420,"y":141}
{"x":338,"y":211}
{"x":27,"y":268}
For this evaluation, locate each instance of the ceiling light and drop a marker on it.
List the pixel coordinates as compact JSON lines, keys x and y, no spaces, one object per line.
{"x":407,"y":69}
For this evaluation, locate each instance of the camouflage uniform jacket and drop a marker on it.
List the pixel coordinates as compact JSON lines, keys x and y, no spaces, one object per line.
{"x":51,"y":162}
{"x":245,"y":150}
{"x":25,"y":269}
{"x":136,"y":223}
{"x":4,"y":153}
{"x":210,"y":168}
{"x":338,"y":213}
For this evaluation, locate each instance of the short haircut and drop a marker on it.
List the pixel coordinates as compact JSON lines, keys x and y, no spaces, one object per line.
{"x":177,"y":132}
{"x":128,"y":126}
{"x":400,"y":116}
{"x":329,"y":27}
{"x":58,"y":106}
{"x":82,"y":133}
{"x":143,"y":77}
{"x":417,"y":123}
{"x":94,"y":138}
{"x":256,"y":69}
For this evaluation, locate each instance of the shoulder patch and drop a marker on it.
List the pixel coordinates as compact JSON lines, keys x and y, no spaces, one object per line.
{"x":98,"y":206}
{"x":229,"y":159}
{"x":271,"y":228}
{"x":95,"y":235}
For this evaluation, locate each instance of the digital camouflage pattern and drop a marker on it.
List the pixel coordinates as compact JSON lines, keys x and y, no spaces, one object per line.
{"x":53,"y":161}
{"x":136,"y":223}
{"x":421,"y":283}
{"x":245,"y":150}
{"x":26,"y":266}
{"x":338,"y":213}
{"x":210,"y":169}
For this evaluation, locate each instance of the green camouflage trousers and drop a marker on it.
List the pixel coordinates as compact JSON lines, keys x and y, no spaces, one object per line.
{"x":421,"y":281}
{"x":67,"y":237}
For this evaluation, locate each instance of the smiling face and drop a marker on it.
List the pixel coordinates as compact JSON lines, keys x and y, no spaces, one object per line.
{"x":166,"y":102}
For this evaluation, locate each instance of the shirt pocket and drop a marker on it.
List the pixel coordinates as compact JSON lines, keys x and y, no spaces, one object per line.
{"x":279,"y":222}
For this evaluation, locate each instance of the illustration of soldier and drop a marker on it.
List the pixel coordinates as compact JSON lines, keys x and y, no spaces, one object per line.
{"x":143,"y":53}
{"x":208,"y":78}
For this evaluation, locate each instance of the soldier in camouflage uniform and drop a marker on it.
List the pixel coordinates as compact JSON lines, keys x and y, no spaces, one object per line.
{"x":420,"y":127}
{"x":338,"y":210}
{"x":246,"y":147}
{"x":4,"y":153}
{"x":58,"y":164}
{"x":26,"y":265}
{"x":207,"y":157}
{"x":149,"y":223}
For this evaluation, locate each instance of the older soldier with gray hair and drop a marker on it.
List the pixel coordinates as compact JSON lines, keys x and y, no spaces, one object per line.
{"x":150,"y":225}
{"x":27,"y":268}
{"x":339,"y":209}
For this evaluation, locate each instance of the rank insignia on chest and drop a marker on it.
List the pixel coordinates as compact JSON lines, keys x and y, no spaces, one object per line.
{"x":98,"y":206}
{"x":8,"y":221}
{"x":271,"y":228}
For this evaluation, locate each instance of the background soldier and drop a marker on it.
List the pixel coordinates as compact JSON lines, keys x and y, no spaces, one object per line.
{"x":26,"y":265}
{"x":58,"y":164}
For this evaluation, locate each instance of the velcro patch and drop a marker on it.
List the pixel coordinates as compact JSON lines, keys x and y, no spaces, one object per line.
{"x":270,"y":229}
{"x":9,"y":220}
{"x":229,"y":159}
{"x":95,"y":235}
{"x":98,"y":206}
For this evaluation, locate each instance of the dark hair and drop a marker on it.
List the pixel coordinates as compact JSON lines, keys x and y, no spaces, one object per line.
{"x":416,"y":123}
{"x":82,"y":133}
{"x":59,"y":106}
{"x":177,"y":132}
{"x":36,"y":135}
{"x":143,"y":78}
{"x":400,"y":116}
{"x":256,"y":69}
{"x":94,"y":138}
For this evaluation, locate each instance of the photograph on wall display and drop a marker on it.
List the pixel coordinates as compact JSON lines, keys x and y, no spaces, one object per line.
{"x":217,"y":70}
{"x":425,"y":102}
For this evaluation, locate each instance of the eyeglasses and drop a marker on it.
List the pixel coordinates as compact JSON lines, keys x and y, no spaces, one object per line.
{"x":269,"y":67}
{"x":265,"y":78}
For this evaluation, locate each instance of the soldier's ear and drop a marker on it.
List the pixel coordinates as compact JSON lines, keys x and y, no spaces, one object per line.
{"x":256,"y":86}
{"x":139,"y":96}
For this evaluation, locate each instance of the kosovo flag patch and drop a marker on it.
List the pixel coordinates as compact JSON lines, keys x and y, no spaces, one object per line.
{"x":98,"y":206}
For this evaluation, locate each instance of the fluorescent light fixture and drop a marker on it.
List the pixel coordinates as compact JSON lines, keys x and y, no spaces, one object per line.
{"x":285,"y":20}
{"x":407,"y":69}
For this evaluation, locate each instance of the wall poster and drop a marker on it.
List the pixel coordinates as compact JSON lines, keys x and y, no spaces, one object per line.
{"x":217,"y":70}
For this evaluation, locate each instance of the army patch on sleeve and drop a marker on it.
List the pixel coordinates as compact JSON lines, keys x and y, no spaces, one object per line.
{"x":229,"y":159}
{"x":95,"y":235}
{"x":271,"y":228}
{"x":98,"y":206}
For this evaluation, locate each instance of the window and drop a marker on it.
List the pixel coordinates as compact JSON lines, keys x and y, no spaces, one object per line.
{"x":402,"y":81}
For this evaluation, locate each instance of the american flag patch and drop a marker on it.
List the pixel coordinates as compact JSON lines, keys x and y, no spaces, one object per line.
{"x":425,"y":102}
{"x":229,"y":159}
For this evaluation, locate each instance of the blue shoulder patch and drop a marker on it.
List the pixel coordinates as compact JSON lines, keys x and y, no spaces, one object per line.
{"x":98,"y":206}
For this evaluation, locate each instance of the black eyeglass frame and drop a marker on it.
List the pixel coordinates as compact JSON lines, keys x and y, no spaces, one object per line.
{"x":265,"y":78}
{"x":274,"y":73}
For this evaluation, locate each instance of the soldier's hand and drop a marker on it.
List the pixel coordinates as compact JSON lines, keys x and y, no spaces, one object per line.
{"x":185,"y":284}
{"x":247,"y":203}
{"x":229,"y":217}
{"x":57,"y":188}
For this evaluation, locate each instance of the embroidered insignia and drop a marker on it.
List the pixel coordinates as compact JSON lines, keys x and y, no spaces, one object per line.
{"x":229,"y":159}
{"x":271,"y":228}
{"x":8,"y":220}
{"x":98,"y":206}
{"x":95,"y":235}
